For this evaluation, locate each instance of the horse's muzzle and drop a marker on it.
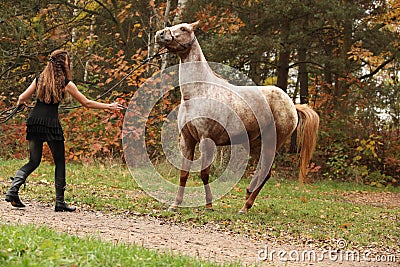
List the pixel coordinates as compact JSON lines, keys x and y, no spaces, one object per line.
{"x":163,"y":37}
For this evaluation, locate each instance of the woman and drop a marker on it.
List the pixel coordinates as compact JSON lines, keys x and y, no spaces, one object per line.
{"x":43,"y":124}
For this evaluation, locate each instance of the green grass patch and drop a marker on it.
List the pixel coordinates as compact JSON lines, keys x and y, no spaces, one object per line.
{"x":41,"y":246}
{"x":317,"y":213}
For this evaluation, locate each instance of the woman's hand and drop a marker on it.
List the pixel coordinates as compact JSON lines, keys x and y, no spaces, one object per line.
{"x":20,"y":101}
{"x":115,"y":106}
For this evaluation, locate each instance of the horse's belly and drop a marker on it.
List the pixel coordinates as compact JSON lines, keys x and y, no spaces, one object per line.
{"x":230,"y":118}
{"x":222,"y":135}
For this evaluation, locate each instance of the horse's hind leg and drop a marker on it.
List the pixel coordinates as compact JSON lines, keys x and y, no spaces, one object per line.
{"x":263,"y":152}
{"x":187,"y":146}
{"x":207,"y":151}
{"x":251,"y":196}
{"x":205,"y":174}
{"x":255,"y":151}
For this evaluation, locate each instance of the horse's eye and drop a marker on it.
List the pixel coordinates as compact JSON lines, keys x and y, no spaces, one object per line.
{"x":183,"y":29}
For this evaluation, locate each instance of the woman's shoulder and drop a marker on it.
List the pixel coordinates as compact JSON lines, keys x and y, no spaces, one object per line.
{"x":69,"y":85}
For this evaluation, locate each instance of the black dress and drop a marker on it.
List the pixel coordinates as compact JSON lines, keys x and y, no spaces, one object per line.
{"x":43,"y":123}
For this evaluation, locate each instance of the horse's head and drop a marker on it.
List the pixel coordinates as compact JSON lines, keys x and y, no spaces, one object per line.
{"x":178,"y":38}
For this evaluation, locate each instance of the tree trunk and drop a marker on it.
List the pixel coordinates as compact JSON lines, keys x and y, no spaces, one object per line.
{"x":284,"y":57}
{"x":73,"y":37}
{"x":89,"y":50}
{"x":179,"y":14}
{"x":164,"y":58}
{"x":343,"y":85}
{"x":255,"y":71}
{"x":283,"y":70}
{"x":303,"y":76}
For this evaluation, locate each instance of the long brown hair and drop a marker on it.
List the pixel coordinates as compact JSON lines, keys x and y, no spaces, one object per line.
{"x":51,"y":83}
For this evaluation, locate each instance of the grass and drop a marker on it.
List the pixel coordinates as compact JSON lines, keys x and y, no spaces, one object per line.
{"x":40,"y":246}
{"x":318,"y":213}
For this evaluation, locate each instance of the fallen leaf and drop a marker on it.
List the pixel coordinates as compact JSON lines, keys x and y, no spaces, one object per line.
{"x":303,"y":199}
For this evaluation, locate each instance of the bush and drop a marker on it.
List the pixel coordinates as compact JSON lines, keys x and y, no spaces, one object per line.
{"x":88,"y":133}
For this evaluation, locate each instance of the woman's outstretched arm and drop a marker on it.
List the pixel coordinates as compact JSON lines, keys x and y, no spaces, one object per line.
{"x":73,"y":90}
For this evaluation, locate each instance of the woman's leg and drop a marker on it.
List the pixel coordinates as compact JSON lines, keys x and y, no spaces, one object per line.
{"x":58,"y":151}
{"x":35,"y":156}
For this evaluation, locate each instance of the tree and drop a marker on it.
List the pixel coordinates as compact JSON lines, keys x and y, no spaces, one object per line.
{"x":340,"y":56}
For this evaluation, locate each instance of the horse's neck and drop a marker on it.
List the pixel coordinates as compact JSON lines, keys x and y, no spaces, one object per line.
{"x":193,"y":69}
{"x":195,"y":54}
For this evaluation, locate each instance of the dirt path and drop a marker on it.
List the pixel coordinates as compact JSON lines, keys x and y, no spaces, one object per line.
{"x":204,"y":242}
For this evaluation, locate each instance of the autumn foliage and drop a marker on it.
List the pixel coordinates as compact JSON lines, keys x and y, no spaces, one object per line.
{"x":340,"y":57}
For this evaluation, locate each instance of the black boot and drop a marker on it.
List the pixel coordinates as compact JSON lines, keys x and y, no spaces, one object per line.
{"x":60,"y":203}
{"x":12,"y":193}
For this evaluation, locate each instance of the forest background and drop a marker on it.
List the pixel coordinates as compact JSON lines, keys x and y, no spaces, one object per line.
{"x":340,"y":57}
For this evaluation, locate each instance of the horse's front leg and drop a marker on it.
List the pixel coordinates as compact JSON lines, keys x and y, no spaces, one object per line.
{"x":182,"y":183}
{"x":187,"y":146}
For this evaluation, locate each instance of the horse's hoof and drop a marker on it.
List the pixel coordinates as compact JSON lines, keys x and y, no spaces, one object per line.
{"x":242,"y":212}
{"x":208,"y":207}
{"x":173,"y":208}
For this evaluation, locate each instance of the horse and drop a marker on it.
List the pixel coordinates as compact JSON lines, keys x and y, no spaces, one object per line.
{"x":263,"y":116}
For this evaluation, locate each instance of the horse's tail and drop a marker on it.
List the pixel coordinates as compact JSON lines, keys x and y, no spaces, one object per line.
{"x":307,"y":131}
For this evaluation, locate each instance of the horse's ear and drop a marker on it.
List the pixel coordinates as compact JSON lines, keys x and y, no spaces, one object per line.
{"x":195,"y":24}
